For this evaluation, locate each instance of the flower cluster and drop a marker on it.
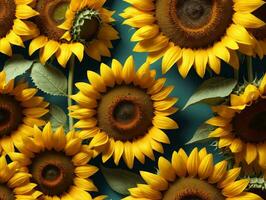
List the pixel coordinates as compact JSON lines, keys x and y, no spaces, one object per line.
{"x":124,"y":113}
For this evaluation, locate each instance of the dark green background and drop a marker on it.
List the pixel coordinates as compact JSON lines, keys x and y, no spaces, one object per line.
{"x":188,"y":119}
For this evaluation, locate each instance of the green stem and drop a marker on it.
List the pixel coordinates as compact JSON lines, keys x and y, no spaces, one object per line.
{"x":250,"y":69}
{"x":70,"y":88}
{"x":236,"y":74}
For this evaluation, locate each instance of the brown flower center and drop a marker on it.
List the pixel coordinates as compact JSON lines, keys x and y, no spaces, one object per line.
{"x":125,"y":112}
{"x":10,"y":115}
{"x":260,"y":33}
{"x":6,"y":193}
{"x":192,"y":189}
{"x":52,"y":14}
{"x":250,"y":124}
{"x":89,"y":29}
{"x":194,"y":23}
{"x":53,"y":172}
{"x":260,"y":192}
{"x":7,"y":16}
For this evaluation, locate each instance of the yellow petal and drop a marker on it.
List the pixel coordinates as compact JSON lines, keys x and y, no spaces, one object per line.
{"x":48,"y":50}
{"x":145,"y":32}
{"x":164,"y":122}
{"x":179,"y":164}
{"x":247,"y":20}
{"x":96,"y":81}
{"x":152,"y":45}
{"x":24,"y":12}
{"x":235,"y":188}
{"x":170,"y":58}
{"x":201,"y":60}
{"x":5,"y":47}
{"x":140,"y":20}
{"x":193,"y":162}
{"x":251,"y":153}
{"x":218,"y":173}
{"x":155,"y":181}
{"x":37,"y":43}
{"x":166,"y":170}
{"x":142,"y":5}
{"x":206,"y":167}
{"x":186,"y":63}
{"x":230,"y":177}
{"x":128,"y":72}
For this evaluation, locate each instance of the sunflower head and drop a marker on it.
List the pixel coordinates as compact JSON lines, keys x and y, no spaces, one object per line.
{"x":188,"y":33}
{"x":50,"y":41}
{"x":192,"y":177}
{"x":12,"y":179}
{"x":124,"y":111}
{"x":87,"y":22}
{"x":57,"y":163}
{"x":241,"y":125}
{"x":14,"y":27}
{"x":20,"y":110}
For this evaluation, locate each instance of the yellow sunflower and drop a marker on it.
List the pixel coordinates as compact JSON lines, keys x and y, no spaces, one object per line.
{"x":88,"y":23}
{"x":123,"y":111}
{"x":14,"y":27}
{"x":241,"y":125}
{"x":259,"y":36}
{"x":192,"y":32}
{"x":51,"y":15}
{"x":20,"y":110}
{"x":14,"y":183}
{"x":192,"y":177}
{"x":57,"y":163}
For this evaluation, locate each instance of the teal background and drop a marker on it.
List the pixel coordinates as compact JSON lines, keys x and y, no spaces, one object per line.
{"x":188,"y":119}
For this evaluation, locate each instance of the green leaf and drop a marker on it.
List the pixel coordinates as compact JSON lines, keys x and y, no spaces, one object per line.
{"x":49,"y":79}
{"x":56,"y":116}
{"x":16,"y":66}
{"x":217,"y":87}
{"x":201,"y":134}
{"x":121,"y":180}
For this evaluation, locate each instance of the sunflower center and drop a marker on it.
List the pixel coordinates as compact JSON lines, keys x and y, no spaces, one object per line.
{"x":7,"y":16}
{"x":191,"y":197}
{"x":6,"y":193}
{"x":10,"y":115}
{"x":260,"y":33}
{"x":125,"y":112}
{"x":192,"y":189}
{"x":194,"y":23}
{"x":86,"y":25}
{"x":52,"y":14}
{"x":250,"y":124}
{"x":260,"y":192}
{"x":53,"y":172}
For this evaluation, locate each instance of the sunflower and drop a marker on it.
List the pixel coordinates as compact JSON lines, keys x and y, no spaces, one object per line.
{"x":20,"y":110}
{"x":57,"y":163}
{"x":259,"y":36}
{"x":88,"y":23}
{"x":49,"y":42}
{"x":192,"y":177}
{"x":14,"y":183}
{"x":192,"y":32}
{"x":123,"y":111}
{"x":14,"y":27}
{"x":241,"y":125}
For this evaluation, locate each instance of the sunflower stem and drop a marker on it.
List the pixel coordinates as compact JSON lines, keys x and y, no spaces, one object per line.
{"x":250,"y":69}
{"x":236,"y":74}
{"x":70,"y":88}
